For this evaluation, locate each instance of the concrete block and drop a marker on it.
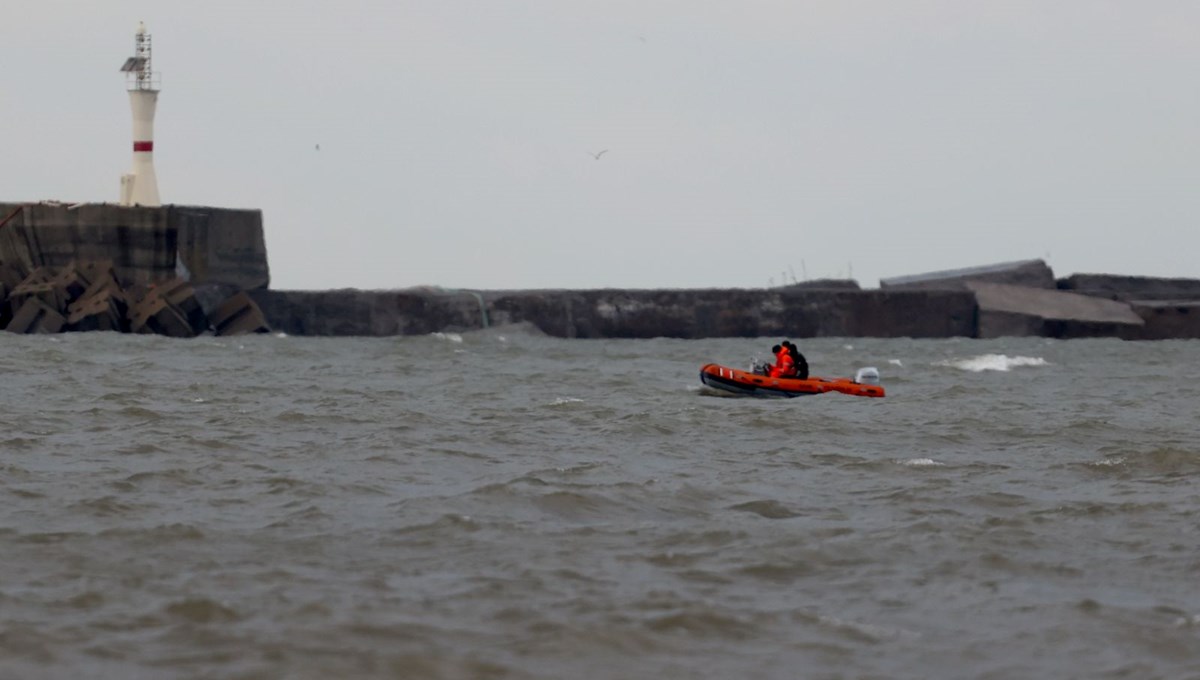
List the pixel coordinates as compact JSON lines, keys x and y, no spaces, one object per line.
{"x":99,"y":312}
{"x":218,"y":245}
{"x":999,"y":324}
{"x":1022,"y":310}
{"x":34,"y":316}
{"x":213,"y":295}
{"x":180,"y":295}
{"x":48,"y":293}
{"x":239,"y":315}
{"x":58,"y":289}
{"x":107,"y":285}
{"x":1167,"y":320}
{"x":1129,"y":288}
{"x":70,"y":284}
{"x":154,"y":315}
{"x":824,"y":284}
{"x":1031,"y":273}
{"x":103,"y":306}
{"x":168,"y":309}
{"x":39,"y":275}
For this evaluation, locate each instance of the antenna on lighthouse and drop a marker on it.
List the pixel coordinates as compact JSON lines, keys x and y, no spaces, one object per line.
{"x":140,"y":186}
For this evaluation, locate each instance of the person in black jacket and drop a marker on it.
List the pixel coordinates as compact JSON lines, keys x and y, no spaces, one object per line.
{"x":798,"y":360}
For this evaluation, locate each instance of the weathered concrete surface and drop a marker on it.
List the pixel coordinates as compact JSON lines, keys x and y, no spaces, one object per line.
{"x":625,"y":313}
{"x":824,"y":284}
{"x":180,"y":295}
{"x":136,"y":240}
{"x":1131,"y":287}
{"x":144,"y":244}
{"x":35,"y":316}
{"x":104,"y":310}
{"x":1032,"y":273}
{"x":221,"y":246}
{"x":49,"y":294}
{"x":238,"y":315}
{"x":1167,"y":319}
{"x":169,"y":309}
{"x":367,"y":313}
{"x":1006,"y":310}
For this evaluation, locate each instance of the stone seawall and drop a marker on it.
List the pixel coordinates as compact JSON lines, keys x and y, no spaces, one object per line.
{"x":625,"y":313}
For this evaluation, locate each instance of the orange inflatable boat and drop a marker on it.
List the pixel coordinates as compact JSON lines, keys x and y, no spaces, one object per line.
{"x":864,"y":384}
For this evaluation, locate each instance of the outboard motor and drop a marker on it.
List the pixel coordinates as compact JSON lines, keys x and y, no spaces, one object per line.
{"x":867,"y":376}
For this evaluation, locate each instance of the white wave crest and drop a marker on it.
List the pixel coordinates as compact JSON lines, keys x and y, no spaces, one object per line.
{"x":992,"y":362}
{"x":449,"y":337}
{"x":566,"y":400}
{"x":895,"y":362}
{"x":920,"y":462}
{"x":1187,"y":621}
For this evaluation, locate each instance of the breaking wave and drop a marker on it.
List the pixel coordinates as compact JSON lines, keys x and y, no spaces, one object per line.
{"x":991,"y":362}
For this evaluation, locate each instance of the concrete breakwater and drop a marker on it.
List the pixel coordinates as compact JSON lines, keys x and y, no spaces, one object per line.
{"x":151,"y":261}
{"x":1008,"y":299}
{"x":986,"y":310}
{"x":624,"y":313}
{"x":174,"y":270}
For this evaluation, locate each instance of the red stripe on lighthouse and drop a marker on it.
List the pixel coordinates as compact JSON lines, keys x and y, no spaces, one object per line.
{"x":143,"y":146}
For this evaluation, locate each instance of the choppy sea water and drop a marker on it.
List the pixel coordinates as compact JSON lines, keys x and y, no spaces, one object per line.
{"x":505,"y":505}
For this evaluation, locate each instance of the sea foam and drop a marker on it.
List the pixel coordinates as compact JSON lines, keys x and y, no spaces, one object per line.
{"x":991,"y":362}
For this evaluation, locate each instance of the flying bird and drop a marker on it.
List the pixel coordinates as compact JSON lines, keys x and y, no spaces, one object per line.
{"x":598,"y":154}
{"x":318,"y":147}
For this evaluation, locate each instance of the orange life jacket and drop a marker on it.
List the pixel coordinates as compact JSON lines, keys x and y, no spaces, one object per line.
{"x":784,"y":366}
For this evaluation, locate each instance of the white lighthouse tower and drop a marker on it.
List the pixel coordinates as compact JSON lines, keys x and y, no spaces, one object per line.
{"x":140,"y":186}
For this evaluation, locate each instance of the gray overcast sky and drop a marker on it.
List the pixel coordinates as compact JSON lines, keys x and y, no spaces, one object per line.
{"x":745,"y":139}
